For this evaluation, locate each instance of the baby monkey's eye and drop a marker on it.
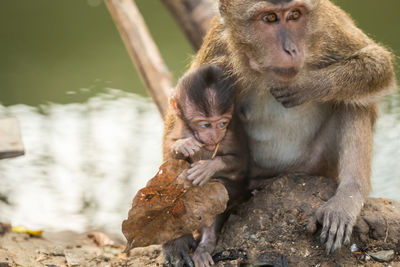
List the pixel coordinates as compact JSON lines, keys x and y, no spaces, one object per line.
{"x":223,"y":124}
{"x":205,"y":125}
{"x":270,"y":17}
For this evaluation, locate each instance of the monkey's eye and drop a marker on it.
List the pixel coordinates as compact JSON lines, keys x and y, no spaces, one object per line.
{"x":205,"y":125}
{"x":222,"y":124}
{"x":270,"y":17}
{"x":294,"y":15}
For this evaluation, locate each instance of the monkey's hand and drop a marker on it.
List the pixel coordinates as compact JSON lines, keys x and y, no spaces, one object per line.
{"x":314,"y":89}
{"x":176,"y":252}
{"x":337,"y":217}
{"x":186,"y":147}
{"x":201,"y":171}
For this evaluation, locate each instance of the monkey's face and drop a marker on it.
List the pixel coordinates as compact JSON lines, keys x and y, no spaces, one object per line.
{"x":271,"y":34}
{"x":209,"y":130}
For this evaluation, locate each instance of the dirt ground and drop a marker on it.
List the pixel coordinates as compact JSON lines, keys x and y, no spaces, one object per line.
{"x":268,"y":230}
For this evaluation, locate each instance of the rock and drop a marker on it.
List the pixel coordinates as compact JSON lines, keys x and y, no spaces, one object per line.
{"x":382,"y":256}
{"x":278,"y":214}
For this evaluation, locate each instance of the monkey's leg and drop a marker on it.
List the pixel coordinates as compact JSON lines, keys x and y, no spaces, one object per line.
{"x":209,"y":236}
{"x":237,"y":194}
{"x":354,"y":141}
{"x":176,"y":252}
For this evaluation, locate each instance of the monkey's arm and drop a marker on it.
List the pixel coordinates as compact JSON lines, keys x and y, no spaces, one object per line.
{"x":227,"y":166}
{"x":344,"y":65}
{"x":338,"y":215}
{"x":358,"y":79}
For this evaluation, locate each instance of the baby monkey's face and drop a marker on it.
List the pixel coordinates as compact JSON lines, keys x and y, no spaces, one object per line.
{"x":210,"y":130}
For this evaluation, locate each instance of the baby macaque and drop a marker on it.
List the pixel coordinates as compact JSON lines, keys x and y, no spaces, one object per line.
{"x":204,"y":130}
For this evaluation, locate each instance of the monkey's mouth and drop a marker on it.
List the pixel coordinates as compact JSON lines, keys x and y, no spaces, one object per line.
{"x":285,"y":73}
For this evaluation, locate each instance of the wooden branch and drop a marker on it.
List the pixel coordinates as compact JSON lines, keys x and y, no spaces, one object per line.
{"x":142,"y":50}
{"x":193,"y":16}
{"x":10,"y":138}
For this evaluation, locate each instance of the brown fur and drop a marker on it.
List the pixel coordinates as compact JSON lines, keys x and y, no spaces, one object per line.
{"x":329,"y":129}
{"x":232,"y":158}
{"x":321,"y":121}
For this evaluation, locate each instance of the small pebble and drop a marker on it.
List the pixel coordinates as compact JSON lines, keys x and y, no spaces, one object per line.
{"x":382,"y":256}
{"x":354,"y":248}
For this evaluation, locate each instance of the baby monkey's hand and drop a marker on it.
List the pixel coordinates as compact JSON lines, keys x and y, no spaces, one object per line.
{"x":186,"y":147}
{"x":201,"y":171}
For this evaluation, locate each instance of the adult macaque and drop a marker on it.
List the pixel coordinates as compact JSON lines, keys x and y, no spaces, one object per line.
{"x":308,"y":80}
{"x":203,"y":129}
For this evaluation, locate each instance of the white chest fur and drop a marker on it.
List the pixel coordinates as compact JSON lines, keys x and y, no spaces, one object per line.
{"x":279,"y":136}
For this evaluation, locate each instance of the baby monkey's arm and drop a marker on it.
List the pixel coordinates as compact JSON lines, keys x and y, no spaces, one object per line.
{"x":228,"y":166}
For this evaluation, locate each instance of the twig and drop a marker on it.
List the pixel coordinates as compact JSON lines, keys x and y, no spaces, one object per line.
{"x":387,"y":231}
{"x":142,"y":50}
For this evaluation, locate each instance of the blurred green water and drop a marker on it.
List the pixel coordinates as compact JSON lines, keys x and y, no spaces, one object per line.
{"x":65,"y":51}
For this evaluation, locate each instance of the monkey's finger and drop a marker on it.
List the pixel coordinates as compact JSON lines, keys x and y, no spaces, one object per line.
{"x":194,"y":167}
{"x":209,"y":259}
{"x":199,"y":180}
{"x":325,"y":228}
{"x":332,"y":235}
{"x":192,"y":151}
{"x":290,"y":96}
{"x":184,"y":151}
{"x":282,"y":95}
{"x":293,"y":102}
{"x":197,"y":143}
{"x":312,"y":224}
{"x":195,"y":173}
{"x":187,"y":259}
{"x":167,"y":259}
{"x":205,"y":180}
{"x":192,"y":177}
{"x":347,"y":234}
{"x":279,"y":92}
{"x":339,"y":236}
{"x":177,"y":261}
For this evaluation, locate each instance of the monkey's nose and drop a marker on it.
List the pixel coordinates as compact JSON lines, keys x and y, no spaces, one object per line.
{"x":290,"y":49}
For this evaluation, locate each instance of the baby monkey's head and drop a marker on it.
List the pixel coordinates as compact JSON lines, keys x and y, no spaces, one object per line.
{"x":204,"y":100}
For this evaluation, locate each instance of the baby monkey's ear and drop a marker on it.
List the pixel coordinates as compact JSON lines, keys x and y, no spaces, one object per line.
{"x":173,"y":103}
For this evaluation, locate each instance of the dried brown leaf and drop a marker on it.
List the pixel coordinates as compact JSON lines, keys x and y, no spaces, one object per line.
{"x":166,"y":209}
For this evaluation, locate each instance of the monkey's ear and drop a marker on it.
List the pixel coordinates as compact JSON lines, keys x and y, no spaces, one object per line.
{"x":173,"y":103}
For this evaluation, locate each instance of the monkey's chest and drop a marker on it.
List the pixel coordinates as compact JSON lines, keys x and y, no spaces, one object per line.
{"x":279,"y":137}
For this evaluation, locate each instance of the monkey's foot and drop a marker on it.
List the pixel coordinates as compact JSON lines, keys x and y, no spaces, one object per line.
{"x":176,"y":252}
{"x":202,"y":257}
